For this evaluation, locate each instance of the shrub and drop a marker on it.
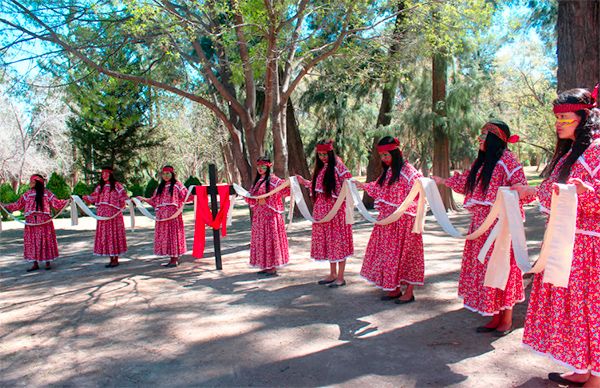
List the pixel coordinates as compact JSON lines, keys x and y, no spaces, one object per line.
{"x":136,"y":190}
{"x":58,"y":185}
{"x":150,"y":187}
{"x":192,"y":180}
{"x":82,"y":189}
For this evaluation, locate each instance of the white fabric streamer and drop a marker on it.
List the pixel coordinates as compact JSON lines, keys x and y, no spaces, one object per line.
{"x":556,"y":256}
{"x":28,"y":223}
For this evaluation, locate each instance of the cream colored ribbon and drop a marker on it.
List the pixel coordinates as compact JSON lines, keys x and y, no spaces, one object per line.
{"x":79,"y":203}
{"x":344,"y":195}
{"x":246,"y":194}
{"x":146,"y":213}
{"x":556,"y":255}
{"x":29,"y":223}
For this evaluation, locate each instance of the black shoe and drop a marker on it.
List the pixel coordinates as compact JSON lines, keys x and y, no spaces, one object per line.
{"x":32,"y":269}
{"x":400,"y":301}
{"x":483,"y":329}
{"x":112,"y":265}
{"x":321,"y":282}
{"x":556,"y":377}
{"x":171,"y":265}
{"x":47,"y":268}
{"x":498,"y":333}
{"x":336,"y":285}
{"x":385,"y":298}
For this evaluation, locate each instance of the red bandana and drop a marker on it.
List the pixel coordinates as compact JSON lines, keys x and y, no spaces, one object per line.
{"x":168,"y":169}
{"x":35,"y":178}
{"x":388,"y":147}
{"x":325,"y":147}
{"x":264,"y":163}
{"x":566,"y":108}
{"x":491,"y":128}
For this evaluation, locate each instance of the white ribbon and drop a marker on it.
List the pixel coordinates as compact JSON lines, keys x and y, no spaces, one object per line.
{"x":29,"y":223}
{"x":79,"y":203}
{"x":344,"y":195}
{"x":146,"y":213}
{"x":556,"y":255}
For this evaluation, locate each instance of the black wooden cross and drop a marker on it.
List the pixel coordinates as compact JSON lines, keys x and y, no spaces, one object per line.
{"x":212,"y":191}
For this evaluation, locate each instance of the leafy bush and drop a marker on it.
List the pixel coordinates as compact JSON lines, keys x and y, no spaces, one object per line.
{"x":192,"y":180}
{"x":136,"y":190}
{"x":7,"y":195}
{"x":150,"y":187}
{"x":82,"y":189}
{"x":58,"y":185}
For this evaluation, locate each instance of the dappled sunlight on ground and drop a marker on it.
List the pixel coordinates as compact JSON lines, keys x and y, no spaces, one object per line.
{"x":141,"y":324}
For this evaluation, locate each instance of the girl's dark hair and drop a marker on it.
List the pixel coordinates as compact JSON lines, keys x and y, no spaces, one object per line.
{"x":397,"y":162}
{"x":111,"y":179}
{"x":590,"y":122}
{"x":486,"y":160}
{"x":329,"y":177}
{"x":39,"y":194}
{"x":161,"y":185}
{"x":267,"y":175}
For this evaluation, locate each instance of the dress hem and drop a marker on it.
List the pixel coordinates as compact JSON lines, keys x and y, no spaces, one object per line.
{"x":488,"y":314}
{"x":333,"y":260}
{"x":390,"y":289}
{"x":562,"y":363}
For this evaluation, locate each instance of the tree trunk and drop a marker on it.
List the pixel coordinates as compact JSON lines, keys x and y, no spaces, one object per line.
{"x":233,"y":174}
{"x":385,"y":108}
{"x":297,"y":160}
{"x":441,"y":142}
{"x":278,"y":125}
{"x":578,"y":46}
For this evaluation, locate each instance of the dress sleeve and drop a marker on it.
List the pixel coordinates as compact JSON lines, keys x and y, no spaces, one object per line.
{"x":373,"y":189}
{"x":342,"y":171}
{"x":56,"y":203}
{"x":457,"y":181}
{"x":19,"y":205}
{"x":93,"y":197}
{"x":153,"y":201}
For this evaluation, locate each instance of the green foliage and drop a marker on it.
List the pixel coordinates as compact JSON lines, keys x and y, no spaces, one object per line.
{"x":192,"y":180}
{"x":150,"y":187}
{"x":7,"y":194}
{"x":136,"y":190}
{"x":111,"y":125}
{"x":82,"y":189}
{"x":58,"y":185}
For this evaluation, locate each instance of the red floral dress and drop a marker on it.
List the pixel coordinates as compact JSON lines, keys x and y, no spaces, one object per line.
{"x":332,"y":240}
{"x":39,"y":240}
{"x":394,"y":254}
{"x":564,"y":323}
{"x":169,"y":236}
{"x":268,"y":243}
{"x":110,"y":234}
{"x":477,"y":297}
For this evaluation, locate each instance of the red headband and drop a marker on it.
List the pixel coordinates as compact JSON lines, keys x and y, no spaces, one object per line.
{"x":168,"y":169}
{"x":491,"y":128}
{"x":264,"y":163}
{"x":35,"y":178}
{"x":325,"y":147}
{"x":389,"y":147}
{"x":566,"y":108}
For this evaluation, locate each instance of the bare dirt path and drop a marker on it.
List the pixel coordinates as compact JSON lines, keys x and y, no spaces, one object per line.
{"x":142,"y":325}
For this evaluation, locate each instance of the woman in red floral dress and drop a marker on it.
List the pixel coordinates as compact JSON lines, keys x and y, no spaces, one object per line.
{"x":331,"y":241}
{"x":268,"y":243}
{"x":495,"y":166}
{"x":109,"y":198}
{"x":394,"y":254}
{"x":169,"y":234}
{"x":39,"y":237}
{"x":564,"y":323}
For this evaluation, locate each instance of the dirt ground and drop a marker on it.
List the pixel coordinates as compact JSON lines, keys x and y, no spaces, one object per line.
{"x":143,"y":325}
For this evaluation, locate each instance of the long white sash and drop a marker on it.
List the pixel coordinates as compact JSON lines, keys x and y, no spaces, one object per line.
{"x":29,"y":223}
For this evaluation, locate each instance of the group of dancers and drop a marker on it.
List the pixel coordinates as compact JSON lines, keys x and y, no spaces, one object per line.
{"x":562,"y":322}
